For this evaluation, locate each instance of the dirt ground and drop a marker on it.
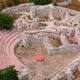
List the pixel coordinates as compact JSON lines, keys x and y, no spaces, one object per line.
{"x":46,"y":68}
{"x":75,"y":5}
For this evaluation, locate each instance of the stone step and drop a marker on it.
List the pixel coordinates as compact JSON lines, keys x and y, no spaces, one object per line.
{"x":8,"y":39}
{"x":4,"y":61}
{"x":3,"y":34}
{"x":17,"y":63}
{"x":5,"y":37}
{"x":10,"y":52}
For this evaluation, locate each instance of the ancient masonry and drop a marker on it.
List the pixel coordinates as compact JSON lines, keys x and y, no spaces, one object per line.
{"x":57,"y":22}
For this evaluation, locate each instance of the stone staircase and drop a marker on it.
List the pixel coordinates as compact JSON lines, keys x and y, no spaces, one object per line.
{"x":8,"y":40}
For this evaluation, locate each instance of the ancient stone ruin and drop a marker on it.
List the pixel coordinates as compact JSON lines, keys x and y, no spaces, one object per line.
{"x":42,"y":24}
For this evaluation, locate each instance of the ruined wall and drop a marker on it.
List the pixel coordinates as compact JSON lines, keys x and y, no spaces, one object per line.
{"x":65,"y":49}
{"x":17,"y":9}
{"x":38,"y":11}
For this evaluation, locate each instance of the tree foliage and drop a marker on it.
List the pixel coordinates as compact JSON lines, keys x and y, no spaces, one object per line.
{"x":6,"y":22}
{"x":40,"y":2}
{"x":16,"y":2}
{"x":9,"y":73}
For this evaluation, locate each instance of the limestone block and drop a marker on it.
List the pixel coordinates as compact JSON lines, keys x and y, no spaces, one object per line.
{"x":25,"y":77}
{"x":33,"y":40}
{"x":18,"y":8}
{"x":54,"y":11}
{"x":47,"y":44}
{"x":66,"y":2}
{"x":69,"y":74}
{"x":61,"y":77}
{"x":20,"y":29}
{"x":77,"y":34}
{"x":35,"y":23}
{"x":25,"y":74}
{"x":72,"y":21}
{"x":33,"y":12}
{"x":25,"y":40}
{"x":43,"y":11}
{"x":64,"y":38}
{"x":57,"y":13}
{"x":72,"y":48}
{"x":40,"y":11}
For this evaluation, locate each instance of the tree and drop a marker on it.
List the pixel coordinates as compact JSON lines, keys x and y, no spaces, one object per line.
{"x":6,"y":21}
{"x":9,"y":73}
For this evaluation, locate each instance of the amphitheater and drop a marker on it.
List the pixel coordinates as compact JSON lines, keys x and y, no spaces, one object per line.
{"x":42,"y":27}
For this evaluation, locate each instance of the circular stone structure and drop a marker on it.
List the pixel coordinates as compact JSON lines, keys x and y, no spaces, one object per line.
{"x":38,"y":32}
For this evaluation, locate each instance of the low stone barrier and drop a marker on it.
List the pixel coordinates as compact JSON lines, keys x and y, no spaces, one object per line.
{"x":66,"y":2}
{"x":18,"y":8}
{"x":72,"y":48}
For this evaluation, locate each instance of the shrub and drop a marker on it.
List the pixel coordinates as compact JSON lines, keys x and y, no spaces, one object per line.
{"x":75,"y":25}
{"x":16,"y":2}
{"x":40,"y":2}
{"x":9,"y":4}
{"x":55,"y":4}
{"x":9,"y":73}
{"x":3,"y":5}
{"x":6,"y":22}
{"x":30,"y":0}
{"x":29,"y":17}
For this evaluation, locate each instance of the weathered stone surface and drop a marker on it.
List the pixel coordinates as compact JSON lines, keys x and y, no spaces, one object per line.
{"x":65,"y":49}
{"x":64,"y":3}
{"x":47,"y":44}
{"x":64,"y":38}
{"x":38,"y":11}
{"x":19,"y":8}
{"x":35,"y":23}
{"x":77,"y":35}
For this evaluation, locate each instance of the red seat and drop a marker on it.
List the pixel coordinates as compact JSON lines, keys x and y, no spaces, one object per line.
{"x":39,"y":57}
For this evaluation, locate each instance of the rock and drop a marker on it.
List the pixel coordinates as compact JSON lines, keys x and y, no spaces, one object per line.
{"x":64,"y":38}
{"x":35,"y":23}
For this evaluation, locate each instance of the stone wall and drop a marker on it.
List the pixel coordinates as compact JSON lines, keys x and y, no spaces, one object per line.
{"x":16,"y":9}
{"x":64,"y":3}
{"x":38,"y":11}
{"x":34,"y":40}
{"x":47,"y":44}
{"x":65,"y":49}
